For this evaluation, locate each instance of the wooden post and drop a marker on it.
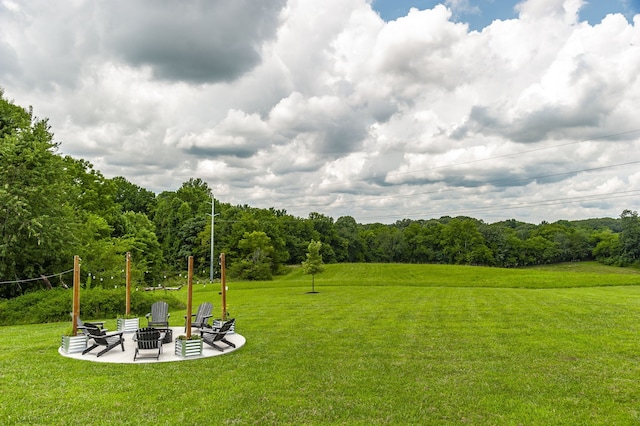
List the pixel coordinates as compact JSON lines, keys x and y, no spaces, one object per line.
{"x":76,"y":293}
{"x":127,"y":310}
{"x":189,"y":290}
{"x":223,"y":281}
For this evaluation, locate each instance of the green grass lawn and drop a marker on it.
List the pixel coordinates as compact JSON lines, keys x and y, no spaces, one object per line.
{"x":379,"y":344}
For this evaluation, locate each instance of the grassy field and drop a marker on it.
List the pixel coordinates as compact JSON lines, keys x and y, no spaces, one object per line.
{"x":379,"y":344}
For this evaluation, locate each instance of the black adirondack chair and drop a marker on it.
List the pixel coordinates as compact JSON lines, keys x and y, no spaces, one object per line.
{"x":83,"y":329}
{"x":213,"y":335}
{"x":102,"y":338}
{"x":202,"y":316}
{"x":150,"y":339}
{"x":159,"y":315}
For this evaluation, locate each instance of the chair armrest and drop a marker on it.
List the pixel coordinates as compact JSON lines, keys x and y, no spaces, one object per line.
{"x":207,"y":331}
{"x":82,"y":327}
{"x":113,"y":333}
{"x":148,"y":315}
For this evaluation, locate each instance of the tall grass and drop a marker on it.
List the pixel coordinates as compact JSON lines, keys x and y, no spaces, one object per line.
{"x":369,"y":348}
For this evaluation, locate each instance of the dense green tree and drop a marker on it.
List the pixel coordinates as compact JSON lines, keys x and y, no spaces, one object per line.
{"x":100,"y":254}
{"x":630,"y":236}
{"x":248,"y":220}
{"x":350,"y":244}
{"x":104,"y":256}
{"x":504,"y":244}
{"x":598,"y":224}
{"x":606,"y":246}
{"x":372,"y":242}
{"x":392,"y":244}
{"x":464,"y":244}
{"x":132,"y":197}
{"x":180,"y":218}
{"x":297,"y":233}
{"x":325,"y":232}
{"x":579,"y":244}
{"x":538,"y":250}
{"x":13,"y":117}
{"x":197,"y":194}
{"x":167,"y":223}
{"x":418,"y":247}
{"x":557,"y":242}
{"x":255,"y":257}
{"x":37,"y":221}
{"x":90,"y":191}
{"x":433,"y":231}
{"x":147,"y":260}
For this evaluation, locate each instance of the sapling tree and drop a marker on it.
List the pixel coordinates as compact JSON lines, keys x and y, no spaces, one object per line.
{"x":313,"y":265}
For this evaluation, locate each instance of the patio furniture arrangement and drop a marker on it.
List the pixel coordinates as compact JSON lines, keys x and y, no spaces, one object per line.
{"x":159,"y":315}
{"x":213,"y":335}
{"x":202,"y":316}
{"x":148,"y":338}
{"x":102,"y":338}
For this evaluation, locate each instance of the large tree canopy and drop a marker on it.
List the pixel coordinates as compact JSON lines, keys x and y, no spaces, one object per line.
{"x":36,"y":219}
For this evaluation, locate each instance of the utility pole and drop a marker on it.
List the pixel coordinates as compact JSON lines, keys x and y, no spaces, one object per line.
{"x":213,"y":227}
{"x":213,"y":210}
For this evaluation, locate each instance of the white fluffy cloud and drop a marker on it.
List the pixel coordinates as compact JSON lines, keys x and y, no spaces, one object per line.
{"x":323,"y":106}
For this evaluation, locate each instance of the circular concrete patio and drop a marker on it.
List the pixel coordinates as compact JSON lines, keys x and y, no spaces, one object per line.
{"x":117,"y":355}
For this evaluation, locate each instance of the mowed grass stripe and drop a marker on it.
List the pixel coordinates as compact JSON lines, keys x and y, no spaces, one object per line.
{"x":579,"y":274}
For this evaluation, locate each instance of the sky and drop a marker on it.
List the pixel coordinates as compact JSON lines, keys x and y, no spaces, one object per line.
{"x":479,"y":14}
{"x":381,"y":110}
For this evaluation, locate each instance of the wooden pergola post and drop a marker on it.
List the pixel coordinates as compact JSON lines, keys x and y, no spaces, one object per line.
{"x":189,"y":290}
{"x":127,"y":310}
{"x":223,"y":281}
{"x":76,"y":293}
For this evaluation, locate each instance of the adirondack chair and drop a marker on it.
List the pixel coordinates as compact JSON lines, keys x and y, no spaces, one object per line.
{"x":202,"y":316}
{"x":148,"y":338}
{"x":83,"y":329}
{"x":213,"y":335}
{"x":102,"y":338}
{"x":159,"y":315}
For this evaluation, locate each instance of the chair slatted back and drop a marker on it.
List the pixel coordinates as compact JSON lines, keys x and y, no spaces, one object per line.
{"x":148,"y":338}
{"x":204,"y":312}
{"x":159,"y":311}
{"x":84,"y":329}
{"x":220,"y":334}
{"x":227,"y":326}
{"x":95,"y":332}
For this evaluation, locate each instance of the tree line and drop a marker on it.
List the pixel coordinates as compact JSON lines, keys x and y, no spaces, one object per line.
{"x":55,"y":207}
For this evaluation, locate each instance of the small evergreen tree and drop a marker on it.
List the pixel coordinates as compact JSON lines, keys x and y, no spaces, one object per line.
{"x":313,"y":265}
